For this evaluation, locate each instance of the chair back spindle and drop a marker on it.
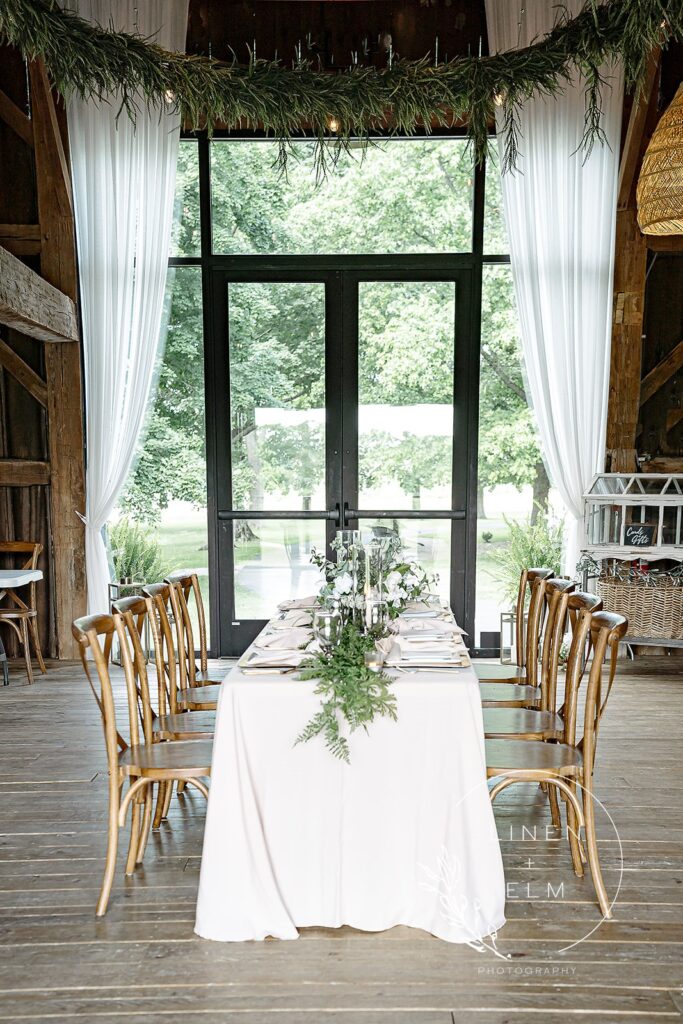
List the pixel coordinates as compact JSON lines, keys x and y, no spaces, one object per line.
{"x":556,"y":596}
{"x":170,"y":665}
{"x":94,"y":635}
{"x":603,"y":631}
{"x":525,"y":594}
{"x":183,"y":585}
{"x":129,"y":615}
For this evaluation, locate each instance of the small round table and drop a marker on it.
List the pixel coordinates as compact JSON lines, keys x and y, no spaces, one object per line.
{"x":12,"y":579}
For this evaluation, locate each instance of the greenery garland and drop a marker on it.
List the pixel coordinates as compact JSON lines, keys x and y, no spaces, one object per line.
{"x":348,"y":689}
{"x":407,"y":97}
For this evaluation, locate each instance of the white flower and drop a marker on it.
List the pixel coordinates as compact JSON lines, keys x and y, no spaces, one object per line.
{"x":343,"y":584}
{"x":393,"y":579}
{"x":395,"y":595}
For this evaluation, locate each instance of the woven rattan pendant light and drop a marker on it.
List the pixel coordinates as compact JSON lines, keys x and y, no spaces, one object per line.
{"x":660,"y":185}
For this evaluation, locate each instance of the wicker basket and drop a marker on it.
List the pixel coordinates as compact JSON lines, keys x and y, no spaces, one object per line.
{"x":651,"y":611}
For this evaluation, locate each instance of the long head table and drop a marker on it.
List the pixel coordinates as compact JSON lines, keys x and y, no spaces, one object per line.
{"x":404,"y":834}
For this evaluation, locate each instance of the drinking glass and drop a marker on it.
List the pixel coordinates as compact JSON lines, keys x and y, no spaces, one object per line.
{"x":327,"y":627}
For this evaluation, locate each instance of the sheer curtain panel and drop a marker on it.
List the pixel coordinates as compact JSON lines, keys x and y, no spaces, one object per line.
{"x":123,"y":183}
{"x":560,"y":209}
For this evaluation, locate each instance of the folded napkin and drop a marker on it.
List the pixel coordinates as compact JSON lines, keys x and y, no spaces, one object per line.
{"x":421,"y":609}
{"x":283,"y":640}
{"x":276,"y":659}
{"x":432,"y":627}
{"x":298,"y":602}
{"x":396,"y":649}
{"x":291,"y":619}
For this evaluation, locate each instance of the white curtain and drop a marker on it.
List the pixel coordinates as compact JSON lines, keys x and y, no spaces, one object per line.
{"x":123,"y":183}
{"x":560,"y":210}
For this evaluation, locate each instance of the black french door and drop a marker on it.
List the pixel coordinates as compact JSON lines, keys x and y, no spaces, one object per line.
{"x":337,"y":397}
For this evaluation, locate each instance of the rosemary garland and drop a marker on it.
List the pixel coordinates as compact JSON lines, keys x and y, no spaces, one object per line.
{"x":410,"y":95}
{"x":349,"y":690}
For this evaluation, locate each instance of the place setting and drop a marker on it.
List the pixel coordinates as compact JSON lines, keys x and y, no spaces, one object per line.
{"x":372,"y":594}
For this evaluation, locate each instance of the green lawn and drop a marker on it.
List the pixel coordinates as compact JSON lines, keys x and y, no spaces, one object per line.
{"x":183,"y":539}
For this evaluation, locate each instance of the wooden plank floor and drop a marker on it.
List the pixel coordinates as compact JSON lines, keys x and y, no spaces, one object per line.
{"x":143,"y":963}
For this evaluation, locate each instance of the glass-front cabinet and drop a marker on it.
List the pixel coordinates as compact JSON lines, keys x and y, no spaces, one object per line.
{"x":634,"y":515}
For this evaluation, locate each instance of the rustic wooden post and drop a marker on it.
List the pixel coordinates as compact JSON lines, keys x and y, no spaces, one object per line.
{"x":62,"y":367}
{"x":629,"y":290}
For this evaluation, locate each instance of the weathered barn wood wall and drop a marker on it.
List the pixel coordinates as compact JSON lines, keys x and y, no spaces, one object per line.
{"x":41,"y":426}
{"x":24,"y":511}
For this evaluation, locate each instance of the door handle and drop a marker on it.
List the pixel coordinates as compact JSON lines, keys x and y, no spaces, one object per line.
{"x":340,"y":515}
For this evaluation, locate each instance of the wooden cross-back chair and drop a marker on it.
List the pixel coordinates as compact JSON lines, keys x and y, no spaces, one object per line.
{"x":139,"y":759}
{"x":21,"y":616}
{"x":517,"y":686}
{"x":568,"y":765}
{"x":182,"y":586}
{"x":526,"y":633}
{"x":165,"y":726}
{"x":544,"y":721}
{"x":168,"y":722}
{"x":166,"y":608}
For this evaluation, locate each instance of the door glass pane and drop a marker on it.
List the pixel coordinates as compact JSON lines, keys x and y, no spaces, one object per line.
{"x":277,"y":395}
{"x":427,"y":541}
{"x":166,"y":489}
{"x":495,"y":231}
{"x":272,"y":563}
{"x":405,"y":394}
{"x":513,"y":485}
{"x":185,"y":236}
{"x":398,"y":196}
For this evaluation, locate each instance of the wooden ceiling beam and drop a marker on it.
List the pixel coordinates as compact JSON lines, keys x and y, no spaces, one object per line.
{"x":665,"y":464}
{"x":25,"y":374}
{"x":31,"y":305}
{"x":661,"y":373}
{"x":629,"y":287}
{"x":15,"y":117}
{"x":664,"y":243}
{"x":49,"y":147}
{"x":673,"y":418}
{"x":21,"y":239}
{"x":633,"y":144}
{"x":23,"y":473}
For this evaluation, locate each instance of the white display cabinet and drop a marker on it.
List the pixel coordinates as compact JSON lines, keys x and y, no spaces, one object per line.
{"x":634,"y":515}
{"x":637,"y":518}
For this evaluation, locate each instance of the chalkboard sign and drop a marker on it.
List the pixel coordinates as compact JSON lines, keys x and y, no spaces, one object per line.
{"x":639,"y":535}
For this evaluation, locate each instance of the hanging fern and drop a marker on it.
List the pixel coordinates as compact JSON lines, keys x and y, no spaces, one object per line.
{"x":409,"y":96}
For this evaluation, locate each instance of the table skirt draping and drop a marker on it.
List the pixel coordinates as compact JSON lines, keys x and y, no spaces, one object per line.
{"x":404,"y":835}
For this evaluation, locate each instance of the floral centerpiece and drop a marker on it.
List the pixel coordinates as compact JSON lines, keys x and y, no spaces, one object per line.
{"x":406,"y":581}
{"x":403,"y":579}
{"x":349,"y":689}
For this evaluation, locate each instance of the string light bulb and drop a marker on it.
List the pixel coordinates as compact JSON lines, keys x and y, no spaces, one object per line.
{"x":333,"y":124}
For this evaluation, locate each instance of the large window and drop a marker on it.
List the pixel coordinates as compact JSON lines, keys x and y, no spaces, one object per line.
{"x":411,"y":197}
{"x":290,"y":246}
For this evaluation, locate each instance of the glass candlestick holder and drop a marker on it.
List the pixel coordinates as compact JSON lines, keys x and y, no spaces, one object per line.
{"x":374,"y":660}
{"x":349,"y":554}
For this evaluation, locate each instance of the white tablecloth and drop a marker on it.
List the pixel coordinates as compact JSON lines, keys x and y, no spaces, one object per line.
{"x":403,"y":835}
